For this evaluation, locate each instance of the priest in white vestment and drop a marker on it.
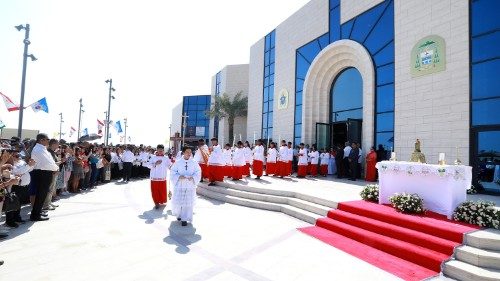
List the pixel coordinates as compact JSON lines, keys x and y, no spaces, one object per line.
{"x":185,"y":175}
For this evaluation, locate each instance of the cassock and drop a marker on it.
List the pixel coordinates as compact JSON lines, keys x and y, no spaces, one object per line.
{"x":239,"y":163}
{"x":302,"y":163}
{"x":283,"y":161}
{"x":216,"y":164}
{"x":371,"y":171}
{"x":290,"y":153}
{"x":313,"y":168}
{"x":185,"y":174}
{"x":248,"y":159}
{"x":324,"y":162}
{"x":258,"y":160}
{"x":201,"y":156}
{"x":158,"y":165}
{"x":228,"y":158}
{"x":272,"y":154}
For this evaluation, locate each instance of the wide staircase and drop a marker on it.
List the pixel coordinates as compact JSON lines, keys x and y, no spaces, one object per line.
{"x":410,"y":247}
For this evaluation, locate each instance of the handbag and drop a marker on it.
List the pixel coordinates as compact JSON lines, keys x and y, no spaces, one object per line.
{"x":11,"y":202}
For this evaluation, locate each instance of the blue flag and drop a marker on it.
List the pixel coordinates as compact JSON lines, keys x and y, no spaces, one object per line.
{"x":85,"y":132}
{"x":40,"y":105}
{"x":118,"y":126}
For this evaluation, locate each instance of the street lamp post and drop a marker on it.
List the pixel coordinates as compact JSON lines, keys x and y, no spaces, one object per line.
{"x":111,"y":89}
{"x":125,"y":123}
{"x":169,"y":136}
{"x":105,"y":120}
{"x":60,"y":126}
{"x":184,"y":120}
{"x":80,"y":119}
{"x":26,"y":42}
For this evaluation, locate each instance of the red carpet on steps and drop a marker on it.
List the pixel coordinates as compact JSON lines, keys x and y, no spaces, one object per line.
{"x":409,"y":246}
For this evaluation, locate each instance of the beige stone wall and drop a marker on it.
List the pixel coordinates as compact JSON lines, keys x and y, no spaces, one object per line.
{"x":307,"y":24}
{"x":351,"y":8}
{"x":234,"y":78}
{"x":255,"y":88}
{"x":177,"y":119}
{"x":435,"y":107}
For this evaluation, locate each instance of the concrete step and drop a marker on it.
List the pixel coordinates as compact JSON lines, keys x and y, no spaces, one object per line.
{"x":284,"y":208}
{"x":487,"y":239}
{"x":478,"y":257}
{"x":462,"y":271}
{"x":298,"y":203}
{"x":283,"y":193}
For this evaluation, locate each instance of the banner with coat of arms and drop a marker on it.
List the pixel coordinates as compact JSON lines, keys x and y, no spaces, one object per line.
{"x":428,"y":56}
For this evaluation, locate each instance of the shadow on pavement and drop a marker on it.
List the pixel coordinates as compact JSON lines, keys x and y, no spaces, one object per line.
{"x":153,"y":214}
{"x":181,"y":236}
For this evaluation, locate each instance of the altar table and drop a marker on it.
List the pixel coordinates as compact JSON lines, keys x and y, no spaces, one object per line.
{"x":443,"y":187}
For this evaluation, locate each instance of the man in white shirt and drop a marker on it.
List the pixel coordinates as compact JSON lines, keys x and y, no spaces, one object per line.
{"x":44,"y":168}
{"x":345,"y":161}
{"x":302,"y":163}
{"x":128,"y":158}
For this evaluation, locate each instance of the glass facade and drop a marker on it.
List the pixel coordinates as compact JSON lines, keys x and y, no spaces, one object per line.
{"x":268,"y":88}
{"x":346,"y":96}
{"x":374,"y":29}
{"x":217,"y":93}
{"x":485,"y":92}
{"x":195,"y":107}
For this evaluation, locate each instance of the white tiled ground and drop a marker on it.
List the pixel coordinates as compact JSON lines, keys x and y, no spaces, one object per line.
{"x":113,"y":234}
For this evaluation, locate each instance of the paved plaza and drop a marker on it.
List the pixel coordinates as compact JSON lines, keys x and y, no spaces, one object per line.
{"x":112,"y":233}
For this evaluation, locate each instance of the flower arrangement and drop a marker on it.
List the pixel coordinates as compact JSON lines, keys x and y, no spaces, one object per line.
{"x":480,"y":212}
{"x":472,"y":190}
{"x":370,"y":193}
{"x":407,"y":203}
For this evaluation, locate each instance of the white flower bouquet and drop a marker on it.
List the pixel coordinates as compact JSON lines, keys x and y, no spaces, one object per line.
{"x":370,"y":193}
{"x":407,"y":203}
{"x":481,"y":213}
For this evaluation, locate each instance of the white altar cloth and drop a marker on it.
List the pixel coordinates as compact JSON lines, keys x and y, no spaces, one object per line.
{"x":443,"y":187}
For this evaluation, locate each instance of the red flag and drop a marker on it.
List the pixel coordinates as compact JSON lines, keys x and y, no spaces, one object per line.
{"x":11,"y":106}
{"x":100,"y":125}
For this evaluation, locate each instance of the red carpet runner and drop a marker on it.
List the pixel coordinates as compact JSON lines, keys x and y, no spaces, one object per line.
{"x":408,"y":246}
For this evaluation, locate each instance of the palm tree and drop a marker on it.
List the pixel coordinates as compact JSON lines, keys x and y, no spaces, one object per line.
{"x":223,"y":107}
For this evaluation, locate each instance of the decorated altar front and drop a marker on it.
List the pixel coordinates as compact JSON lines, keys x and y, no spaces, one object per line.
{"x":443,"y":187}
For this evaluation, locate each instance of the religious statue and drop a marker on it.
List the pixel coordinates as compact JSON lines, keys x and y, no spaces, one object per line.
{"x":417,"y":155}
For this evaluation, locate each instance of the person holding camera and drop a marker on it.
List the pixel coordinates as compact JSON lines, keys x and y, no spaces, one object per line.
{"x":43,"y":173}
{"x":22,"y":170}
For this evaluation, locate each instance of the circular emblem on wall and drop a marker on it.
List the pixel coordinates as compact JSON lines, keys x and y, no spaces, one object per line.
{"x":428,"y":56}
{"x":283,"y":99}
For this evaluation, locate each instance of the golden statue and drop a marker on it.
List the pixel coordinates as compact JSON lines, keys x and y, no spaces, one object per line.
{"x":417,"y":155}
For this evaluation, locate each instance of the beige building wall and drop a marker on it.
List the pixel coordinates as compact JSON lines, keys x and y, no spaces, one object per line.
{"x":255,"y":88}
{"x":234,"y":79}
{"x":351,"y":8}
{"x":435,"y":107}
{"x":310,"y":22}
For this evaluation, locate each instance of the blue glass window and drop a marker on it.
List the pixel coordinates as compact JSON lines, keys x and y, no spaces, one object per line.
{"x":386,"y":139}
{"x":486,"y":47}
{"x":485,"y":82}
{"x":385,"y":74}
{"x":347,"y":91}
{"x":485,"y":112}
{"x":385,"y":122}
{"x":364,"y":23}
{"x":196,"y":107}
{"x":484,"y":16}
{"x":385,"y":98}
{"x":268,"y":87}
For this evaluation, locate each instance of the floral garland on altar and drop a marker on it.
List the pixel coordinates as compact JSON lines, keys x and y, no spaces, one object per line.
{"x":458,"y":172}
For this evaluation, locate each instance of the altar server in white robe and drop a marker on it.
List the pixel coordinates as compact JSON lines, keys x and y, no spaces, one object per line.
{"x":185,"y":174}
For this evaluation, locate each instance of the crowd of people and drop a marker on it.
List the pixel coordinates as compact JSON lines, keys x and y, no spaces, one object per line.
{"x":241,"y":160}
{"x":38,"y":172}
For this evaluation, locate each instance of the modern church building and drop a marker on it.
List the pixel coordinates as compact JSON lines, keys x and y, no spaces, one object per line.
{"x":384,"y":73}
{"x":378,"y":72}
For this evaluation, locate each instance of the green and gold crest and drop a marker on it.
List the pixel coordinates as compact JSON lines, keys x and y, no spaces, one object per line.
{"x":428,"y":56}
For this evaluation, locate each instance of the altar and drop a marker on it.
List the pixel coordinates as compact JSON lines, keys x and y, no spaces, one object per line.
{"x":443,"y":187}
